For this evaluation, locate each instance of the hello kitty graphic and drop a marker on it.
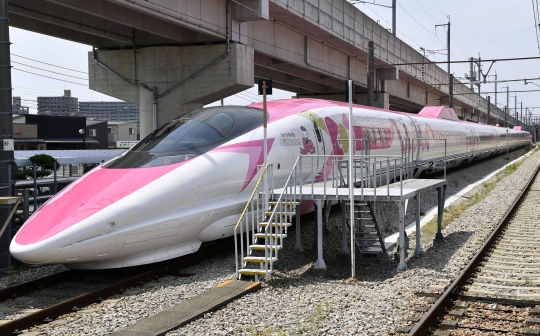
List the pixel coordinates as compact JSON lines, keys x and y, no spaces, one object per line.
{"x":306,"y":142}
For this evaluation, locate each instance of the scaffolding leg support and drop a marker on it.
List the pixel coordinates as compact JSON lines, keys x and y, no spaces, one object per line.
{"x":344,"y":229}
{"x":402,"y":265}
{"x":298,"y":244}
{"x":320,"y":261}
{"x":440,"y":209}
{"x":418,"y":250}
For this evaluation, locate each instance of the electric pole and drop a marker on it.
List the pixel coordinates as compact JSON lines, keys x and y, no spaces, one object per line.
{"x":6,"y":113}
{"x":370,"y":73}
{"x":394,"y":17}
{"x":521,"y":113}
{"x":488,"y":109}
{"x":515,"y":109}
{"x":450,"y":99}
{"x":393,"y":7}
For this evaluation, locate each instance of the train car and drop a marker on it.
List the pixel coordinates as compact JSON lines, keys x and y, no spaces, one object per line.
{"x":187,"y":182}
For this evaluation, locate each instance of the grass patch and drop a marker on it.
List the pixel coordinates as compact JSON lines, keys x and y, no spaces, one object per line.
{"x":454,"y":211}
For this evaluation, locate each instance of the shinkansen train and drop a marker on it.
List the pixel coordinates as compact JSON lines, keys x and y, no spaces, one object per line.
{"x":188,"y":181}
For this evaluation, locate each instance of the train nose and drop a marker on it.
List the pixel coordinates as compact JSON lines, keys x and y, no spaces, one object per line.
{"x":38,"y":253}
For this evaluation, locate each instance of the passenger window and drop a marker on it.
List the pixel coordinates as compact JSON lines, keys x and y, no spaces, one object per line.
{"x":378,"y":135}
{"x":372,"y":135}
{"x":383,"y":135}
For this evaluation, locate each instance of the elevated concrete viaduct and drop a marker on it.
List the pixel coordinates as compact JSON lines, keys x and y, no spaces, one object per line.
{"x":174,"y":56}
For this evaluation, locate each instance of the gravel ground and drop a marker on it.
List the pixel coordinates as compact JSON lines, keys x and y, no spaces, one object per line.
{"x":299,"y":300}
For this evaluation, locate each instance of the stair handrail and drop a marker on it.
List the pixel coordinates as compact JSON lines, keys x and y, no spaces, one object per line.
{"x":287,"y":191}
{"x":248,"y":203}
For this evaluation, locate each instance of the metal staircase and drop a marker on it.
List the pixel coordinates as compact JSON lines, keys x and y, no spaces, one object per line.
{"x":368,"y":236}
{"x":263,"y":226}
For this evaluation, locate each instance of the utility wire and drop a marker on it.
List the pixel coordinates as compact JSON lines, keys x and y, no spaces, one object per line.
{"x":457,"y":31}
{"x":58,"y":73}
{"x":33,"y":60}
{"x":457,"y":45}
{"x":536,"y":26}
{"x":468,"y":61}
{"x":467,"y":93}
{"x":58,"y":79}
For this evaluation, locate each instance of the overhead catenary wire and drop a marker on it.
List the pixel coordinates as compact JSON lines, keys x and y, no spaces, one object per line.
{"x":33,"y":60}
{"x":536,"y":18}
{"x":54,"y":72}
{"x":454,"y":27}
{"x":58,"y":79}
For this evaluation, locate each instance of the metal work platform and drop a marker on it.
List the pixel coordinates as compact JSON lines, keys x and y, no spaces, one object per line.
{"x":269,"y":212}
{"x":391,"y":192}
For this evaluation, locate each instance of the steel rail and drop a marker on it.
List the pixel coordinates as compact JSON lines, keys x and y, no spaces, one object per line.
{"x":83,"y":300}
{"x":30,"y":286}
{"x":438,"y":308}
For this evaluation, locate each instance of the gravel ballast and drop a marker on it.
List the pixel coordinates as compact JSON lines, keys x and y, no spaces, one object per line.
{"x":300,"y":300}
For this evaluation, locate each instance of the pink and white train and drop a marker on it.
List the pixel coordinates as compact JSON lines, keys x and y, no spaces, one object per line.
{"x":187,"y":182}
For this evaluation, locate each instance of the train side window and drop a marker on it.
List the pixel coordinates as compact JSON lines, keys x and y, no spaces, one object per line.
{"x":378,"y":135}
{"x":372,"y":135}
{"x":383,"y":134}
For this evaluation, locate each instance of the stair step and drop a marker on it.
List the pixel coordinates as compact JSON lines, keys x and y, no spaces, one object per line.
{"x":259,"y":259}
{"x":371,"y":250}
{"x":283,"y":203}
{"x":268,"y":214}
{"x":366,"y":232}
{"x":378,"y":245}
{"x":259,"y":247}
{"x":252,"y":271}
{"x":274,"y":235}
{"x":366,"y":239}
{"x":282,"y":225}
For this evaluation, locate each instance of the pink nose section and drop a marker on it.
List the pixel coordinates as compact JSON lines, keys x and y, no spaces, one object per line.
{"x":85,"y":197}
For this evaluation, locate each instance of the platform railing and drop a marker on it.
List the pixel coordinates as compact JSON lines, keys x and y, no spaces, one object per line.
{"x":280,"y":216}
{"x":248,"y":222}
{"x":370,"y":171}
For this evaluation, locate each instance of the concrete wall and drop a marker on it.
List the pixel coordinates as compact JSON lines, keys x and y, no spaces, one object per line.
{"x":163,"y":68}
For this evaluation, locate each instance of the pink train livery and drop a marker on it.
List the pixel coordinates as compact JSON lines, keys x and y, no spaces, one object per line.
{"x":187,"y":182}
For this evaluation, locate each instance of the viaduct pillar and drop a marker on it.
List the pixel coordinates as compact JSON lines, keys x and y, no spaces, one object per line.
{"x":171,"y":80}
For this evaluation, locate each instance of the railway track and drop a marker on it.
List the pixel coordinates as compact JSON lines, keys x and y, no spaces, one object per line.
{"x":498,"y":291}
{"x":42,"y":300}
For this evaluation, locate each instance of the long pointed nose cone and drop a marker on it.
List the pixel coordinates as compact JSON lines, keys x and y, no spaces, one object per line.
{"x":39,"y":253}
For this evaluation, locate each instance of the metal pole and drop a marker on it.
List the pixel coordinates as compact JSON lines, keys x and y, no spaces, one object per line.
{"x":521,"y":113}
{"x":6,"y":117}
{"x":451,"y":92}
{"x":55,"y":180}
{"x":495,"y":89}
{"x":507,"y":100}
{"x":488,"y":108}
{"x":154,"y":111}
{"x":351,"y":183}
{"x":515,"y":109}
{"x":394,"y":17}
{"x":370,"y":73}
{"x":505,"y":112}
{"x":35,"y":187}
{"x":448,"y":57}
{"x":265,"y":146}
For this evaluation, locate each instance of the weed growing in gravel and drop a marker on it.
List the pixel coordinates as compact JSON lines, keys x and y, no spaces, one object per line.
{"x":310,"y":326}
{"x":265,"y":332}
{"x":454,"y":211}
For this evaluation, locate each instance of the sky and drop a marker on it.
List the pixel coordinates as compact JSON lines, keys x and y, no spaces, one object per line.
{"x":493,"y":29}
